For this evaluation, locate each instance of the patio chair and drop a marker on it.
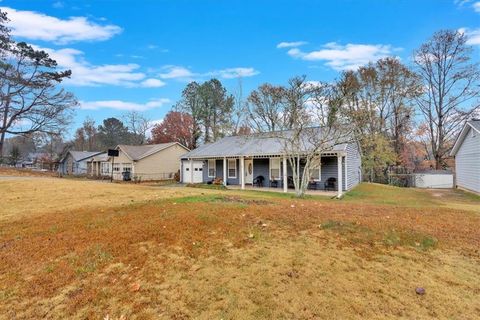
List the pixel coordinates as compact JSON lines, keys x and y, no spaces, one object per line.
{"x":273,"y":183}
{"x":290,"y":183}
{"x":331,"y":184}
{"x":258,"y":181}
{"x":313,"y":185}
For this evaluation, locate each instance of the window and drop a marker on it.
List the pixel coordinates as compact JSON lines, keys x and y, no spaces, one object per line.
{"x":116,"y":167}
{"x":232,"y":168}
{"x":275,"y":169}
{"x":316,"y":172}
{"x":127,"y":167}
{"x":474,"y":133}
{"x":105,"y":168}
{"x":211,"y":168}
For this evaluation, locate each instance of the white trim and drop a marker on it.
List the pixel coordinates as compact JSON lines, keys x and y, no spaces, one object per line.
{"x":285,"y":178}
{"x":242,"y":172}
{"x":214,"y":168}
{"x":229,"y":176}
{"x":461,"y":137}
{"x":225,"y":171}
{"x":346,"y":173}
{"x":319,"y":172}
{"x":340,"y":176}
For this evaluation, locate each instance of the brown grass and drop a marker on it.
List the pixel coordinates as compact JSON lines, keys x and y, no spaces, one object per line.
{"x":28,"y":196}
{"x":20,"y":172}
{"x":230,"y":255}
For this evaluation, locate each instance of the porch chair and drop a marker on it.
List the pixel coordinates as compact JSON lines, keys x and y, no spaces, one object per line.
{"x":258,"y":181}
{"x":313,"y":185}
{"x":273,"y":183}
{"x":331,"y":184}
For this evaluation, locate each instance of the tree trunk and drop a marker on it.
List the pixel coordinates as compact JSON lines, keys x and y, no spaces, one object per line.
{"x":2,"y":141}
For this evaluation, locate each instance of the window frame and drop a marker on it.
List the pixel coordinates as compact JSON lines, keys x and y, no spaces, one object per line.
{"x":270,"y":168}
{"x":234,"y":168}
{"x":319,"y":172}
{"x":116,"y":168}
{"x":214,"y":168}
{"x":127,"y":166}
{"x":105,"y":169}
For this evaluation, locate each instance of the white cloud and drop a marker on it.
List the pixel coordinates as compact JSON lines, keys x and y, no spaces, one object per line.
{"x":87,"y":74}
{"x":185,"y":74}
{"x":232,"y":73}
{"x":38,"y":26}
{"x":123,"y":105}
{"x":177,"y":72}
{"x":476,"y":6}
{"x":344,"y":57}
{"x":152,"y":83}
{"x":473,"y":36}
{"x":291,"y":44}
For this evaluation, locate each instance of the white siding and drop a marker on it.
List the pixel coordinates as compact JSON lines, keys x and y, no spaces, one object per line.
{"x":467,"y":163}
{"x":353,"y":162}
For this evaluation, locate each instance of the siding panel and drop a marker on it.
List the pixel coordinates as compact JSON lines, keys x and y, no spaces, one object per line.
{"x":467,"y":163}
{"x":354,"y":165}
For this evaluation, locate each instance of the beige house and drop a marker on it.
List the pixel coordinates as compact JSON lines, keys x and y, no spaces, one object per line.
{"x":144,"y":162}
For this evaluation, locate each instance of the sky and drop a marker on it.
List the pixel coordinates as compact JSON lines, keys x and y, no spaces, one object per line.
{"x":139,"y":55}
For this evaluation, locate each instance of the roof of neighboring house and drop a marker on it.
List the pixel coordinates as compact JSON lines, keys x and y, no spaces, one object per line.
{"x":473,"y":124}
{"x":102,"y":157}
{"x":82,"y":155}
{"x":259,"y":144}
{"x":136,"y":153}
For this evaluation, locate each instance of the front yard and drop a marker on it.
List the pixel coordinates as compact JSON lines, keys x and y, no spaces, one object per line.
{"x":80,"y":249}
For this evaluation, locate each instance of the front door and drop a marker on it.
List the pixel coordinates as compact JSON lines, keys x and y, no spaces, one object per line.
{"x":249,"y":171}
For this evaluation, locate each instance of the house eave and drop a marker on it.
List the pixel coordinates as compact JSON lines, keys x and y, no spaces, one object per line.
{"x":262,"y":155}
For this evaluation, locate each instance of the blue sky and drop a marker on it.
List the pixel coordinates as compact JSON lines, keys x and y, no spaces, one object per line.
{"x":139,"y":55}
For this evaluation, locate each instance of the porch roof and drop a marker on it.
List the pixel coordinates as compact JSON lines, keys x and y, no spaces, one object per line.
{"x":255,"y":145}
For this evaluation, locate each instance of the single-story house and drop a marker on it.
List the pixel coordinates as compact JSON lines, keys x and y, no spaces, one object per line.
{"x":260,"y":160}
{"x":146,"y":162}
{"x":76,"y":162}
{"x":466,"y":151}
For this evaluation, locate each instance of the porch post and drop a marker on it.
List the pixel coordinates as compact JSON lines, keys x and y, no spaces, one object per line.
{"x":225,"y":171}
{"x":242,"y":172}
{"x":340,"y":176}
{"x":285,"y":181}
{"x":191,"y":171}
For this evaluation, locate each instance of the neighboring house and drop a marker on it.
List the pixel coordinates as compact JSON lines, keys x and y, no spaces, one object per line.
{"x":258,"y":156}
{"x":148,"y":162}
{"x":76,"y":162}
{"x":466,"y":151}
{"x":100,"y":166}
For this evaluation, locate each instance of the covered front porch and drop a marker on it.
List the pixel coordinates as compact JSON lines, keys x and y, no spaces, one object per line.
{"x":289,"y":190}
{"x":271,"y":173}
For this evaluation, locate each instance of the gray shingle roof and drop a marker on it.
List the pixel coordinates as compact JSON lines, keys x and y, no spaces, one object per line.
{"x":251,"y":145}
{"x":100,"y":157}
{"x":80,"y":155}
{"x":139,"y":152}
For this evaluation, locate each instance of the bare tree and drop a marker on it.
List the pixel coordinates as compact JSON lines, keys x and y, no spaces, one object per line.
{"x":139,"y":125}
{"x":240,"y":110}
{"x":314,"y":124}
{"x":265,"y":107}
{"x":30,"y":100}
{"x":451,"y":88}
